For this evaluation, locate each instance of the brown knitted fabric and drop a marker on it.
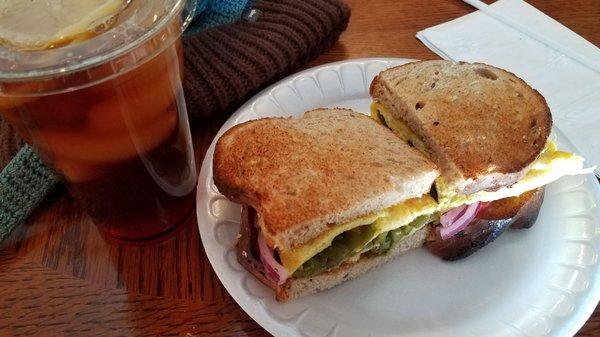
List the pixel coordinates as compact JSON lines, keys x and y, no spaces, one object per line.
{"x":226,"y":64}
{"x":10,"y":143}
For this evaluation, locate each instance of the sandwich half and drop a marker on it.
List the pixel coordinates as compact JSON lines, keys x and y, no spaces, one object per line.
{"x":326,"y":197}
{"x":486,"y":130}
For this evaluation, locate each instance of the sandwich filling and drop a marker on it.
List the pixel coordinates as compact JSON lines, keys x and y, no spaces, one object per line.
{"x":372,"y":234}
{"x":550,"y":165}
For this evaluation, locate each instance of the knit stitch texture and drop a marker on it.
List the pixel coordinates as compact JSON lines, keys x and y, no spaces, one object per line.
{"x":226,"y":64}
{"x":24,"y":183}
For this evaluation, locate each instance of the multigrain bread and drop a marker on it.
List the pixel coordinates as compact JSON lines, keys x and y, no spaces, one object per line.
{"x":303,"y":175}
{"x":298,"y":287}
{"x":482,"y":125}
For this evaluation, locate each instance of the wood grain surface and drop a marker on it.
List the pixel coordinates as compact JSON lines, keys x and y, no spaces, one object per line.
{"x":60,"y":277}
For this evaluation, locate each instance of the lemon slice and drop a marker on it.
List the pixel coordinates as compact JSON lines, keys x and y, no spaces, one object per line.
{"x":43,"y":24}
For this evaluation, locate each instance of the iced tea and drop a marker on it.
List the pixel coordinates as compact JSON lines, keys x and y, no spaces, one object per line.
{"x":117,"y":133}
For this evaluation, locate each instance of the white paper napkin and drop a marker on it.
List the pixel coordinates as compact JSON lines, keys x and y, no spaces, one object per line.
{"x":571,"y":89}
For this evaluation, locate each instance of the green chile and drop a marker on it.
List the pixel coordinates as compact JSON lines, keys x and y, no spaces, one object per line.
{"x":342,"y":247}
{"x":356,"y":241}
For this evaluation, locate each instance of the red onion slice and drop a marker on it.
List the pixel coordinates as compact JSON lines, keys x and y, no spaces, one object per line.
{"x":449,"y":217}
{"x":460,"y":223}
{"x":274,"y":270}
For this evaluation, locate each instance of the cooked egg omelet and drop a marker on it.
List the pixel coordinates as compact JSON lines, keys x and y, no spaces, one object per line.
{"x":383,"y":221}
{"x":550,"y":166}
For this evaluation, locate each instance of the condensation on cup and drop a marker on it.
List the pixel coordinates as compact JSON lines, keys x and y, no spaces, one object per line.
{"x":95,"y":86}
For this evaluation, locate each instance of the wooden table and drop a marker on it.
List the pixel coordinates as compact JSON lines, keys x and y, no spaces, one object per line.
{"x":59,"y":276}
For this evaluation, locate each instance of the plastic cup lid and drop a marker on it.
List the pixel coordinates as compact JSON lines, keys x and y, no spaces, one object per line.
{"x":40,"y":38}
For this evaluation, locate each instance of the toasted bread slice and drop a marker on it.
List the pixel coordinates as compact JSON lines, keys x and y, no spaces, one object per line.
{"x":294,"y":288}
{"x":304,"y":175}
{"x":483,"y":126}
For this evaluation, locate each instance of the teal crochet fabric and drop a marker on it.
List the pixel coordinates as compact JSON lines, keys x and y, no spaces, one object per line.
{"x":25,"y":181}
{"x":211,"y":13}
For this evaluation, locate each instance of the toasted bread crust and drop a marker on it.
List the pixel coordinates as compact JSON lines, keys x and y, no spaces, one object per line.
{"x":303,"y":175}
{"x":295,"y":288}
{"x":483,"y":125}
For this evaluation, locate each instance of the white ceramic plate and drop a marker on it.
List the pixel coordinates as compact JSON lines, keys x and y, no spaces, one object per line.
{"x":544,"y":281}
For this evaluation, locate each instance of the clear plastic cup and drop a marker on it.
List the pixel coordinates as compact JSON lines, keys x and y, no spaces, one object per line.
{"x":107,"y":112}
